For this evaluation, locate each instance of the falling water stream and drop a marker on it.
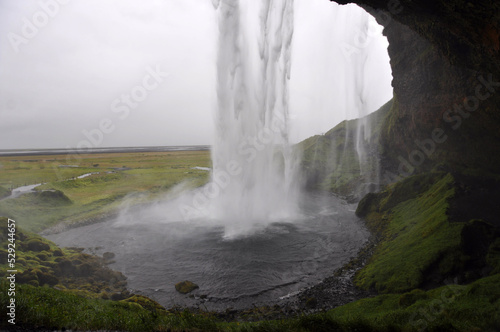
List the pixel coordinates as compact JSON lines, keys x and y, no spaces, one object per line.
{"x":253,"y":69}
{"x":248,"y":236}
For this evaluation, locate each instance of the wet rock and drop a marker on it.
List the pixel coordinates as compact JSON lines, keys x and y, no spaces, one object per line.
{"x":108,"y":256}
{"x":185,"y":287}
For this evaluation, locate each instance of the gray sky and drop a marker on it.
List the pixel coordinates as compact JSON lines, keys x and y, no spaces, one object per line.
{"x":138,"y":73}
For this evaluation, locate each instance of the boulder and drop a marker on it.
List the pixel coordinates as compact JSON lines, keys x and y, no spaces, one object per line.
{"x":185,"y":287}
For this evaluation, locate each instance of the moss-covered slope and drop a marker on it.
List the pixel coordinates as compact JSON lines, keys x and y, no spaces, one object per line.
{"x":344,"y":160}
{"x":39,"y":262}
{"x":421,"y":242}
{"x":473,"y":307}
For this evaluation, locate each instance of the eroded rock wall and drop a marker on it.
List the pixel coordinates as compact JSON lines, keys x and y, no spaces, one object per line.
{"x":446,"y":67}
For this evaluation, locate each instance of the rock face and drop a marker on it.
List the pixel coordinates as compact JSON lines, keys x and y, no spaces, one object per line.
{"x":466,"y":33}
{"x":331,"y":162}
{"x":446,"y":67}
{"x":185,"y":287}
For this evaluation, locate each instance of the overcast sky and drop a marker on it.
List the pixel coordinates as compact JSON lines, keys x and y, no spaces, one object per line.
{"x":143,"y":72}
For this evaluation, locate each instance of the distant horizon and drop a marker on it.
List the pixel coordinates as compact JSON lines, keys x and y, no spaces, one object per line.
{"x":107,"y":147}
{"x":116,"y":149}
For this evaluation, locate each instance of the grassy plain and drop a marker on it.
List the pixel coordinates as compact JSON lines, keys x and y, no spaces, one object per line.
{"x":85,"y":199}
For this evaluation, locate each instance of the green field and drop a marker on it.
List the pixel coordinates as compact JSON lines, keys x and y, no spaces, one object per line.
{"x":78,"y":201}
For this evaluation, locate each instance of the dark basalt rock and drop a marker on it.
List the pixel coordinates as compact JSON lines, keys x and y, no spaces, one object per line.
{"x":442,"y":54}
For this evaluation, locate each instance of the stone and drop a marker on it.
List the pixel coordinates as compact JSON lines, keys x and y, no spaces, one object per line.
{"x":108,"y":256}
{"x":185,"y":287}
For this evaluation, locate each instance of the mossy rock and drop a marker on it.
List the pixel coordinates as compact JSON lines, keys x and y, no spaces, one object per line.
{"x":32,"y":262}
{"x":42,"y":256}
{"x":46,"y":278}
{"x":407,"y":299}
{"x":65,"y":267}
{"x":367,"y":204}
{"x":37,"y":245}
{"x":119,"y":297}
{"x":185,"y":287}
{"x":75,"y":250}
{"x":46,"y":269}
{"x":27,"y":276}
{"x":51,"y":265}
{"x":145,"y":302}
{"x":84,"y":270}
{"x":110,"y":275}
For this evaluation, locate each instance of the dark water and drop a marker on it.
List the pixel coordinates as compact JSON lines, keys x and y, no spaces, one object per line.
{"x":272,"y":263}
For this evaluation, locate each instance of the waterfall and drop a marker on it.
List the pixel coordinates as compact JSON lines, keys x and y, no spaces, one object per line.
{"x":254,"y":179}
{"x":255,"y":176}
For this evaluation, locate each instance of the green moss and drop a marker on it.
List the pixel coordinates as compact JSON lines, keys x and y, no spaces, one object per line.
{"x":448,"y":308}
{"x":42,"y":256}
{"x":419,"y":244}
{"x":57,"y":310}
{"x":410,"y":188}
{"x":407,"y":299}
{"x":416,"y":236}
{"x":145,"y":303}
